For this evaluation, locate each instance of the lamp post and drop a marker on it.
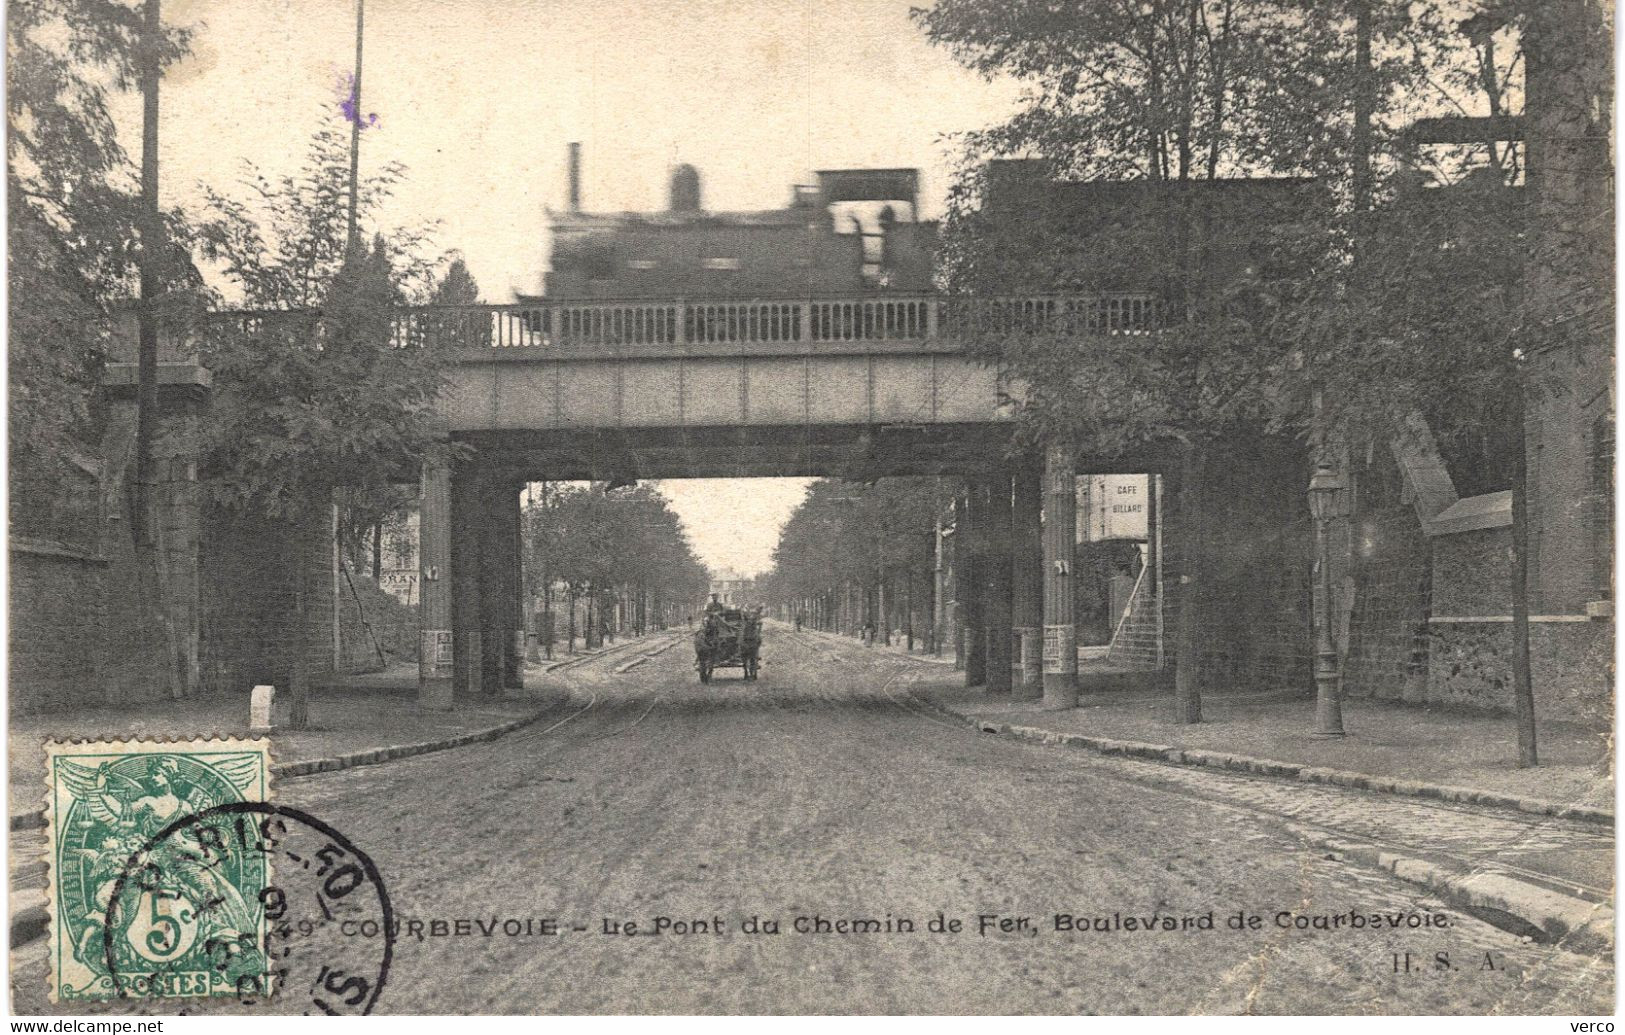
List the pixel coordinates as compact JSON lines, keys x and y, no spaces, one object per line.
{"x":1325,"y":492}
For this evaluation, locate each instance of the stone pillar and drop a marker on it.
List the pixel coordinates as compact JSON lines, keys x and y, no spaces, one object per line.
{"x":513,"y":674}
{"x":493,"y":596}
{"x":1060,"y":629}
{"x":998,"y":576}
{"x":436,"y":645}
{"x":1027,"y":574}
{"x":465,"y":582}
{"x":179,"y":520}
{"x":972,"y":590}
{"x":163,"y":645}
{"x":961,"y":553}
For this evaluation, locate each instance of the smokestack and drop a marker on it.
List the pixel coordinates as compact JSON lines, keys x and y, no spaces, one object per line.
{"x":575,"y":177}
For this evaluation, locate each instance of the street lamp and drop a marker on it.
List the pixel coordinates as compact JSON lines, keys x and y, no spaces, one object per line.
{"x":1325,"y":494}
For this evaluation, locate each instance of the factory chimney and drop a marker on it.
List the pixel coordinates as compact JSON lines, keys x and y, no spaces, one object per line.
{"x":575,"y":177}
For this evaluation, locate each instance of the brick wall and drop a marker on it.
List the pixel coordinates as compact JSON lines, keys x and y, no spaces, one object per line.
{"x":1430,"y":620}
{"x":1256,"y":634}
{"x":1387,"y":650}
{"x":1391,"y":581}
{"x":80,"y":634}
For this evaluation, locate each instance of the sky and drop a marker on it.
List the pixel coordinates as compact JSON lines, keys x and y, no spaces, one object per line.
{"x":479,"y":99}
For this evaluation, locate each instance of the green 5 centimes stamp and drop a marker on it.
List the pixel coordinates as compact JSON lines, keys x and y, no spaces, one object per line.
{"x":154,"y":892}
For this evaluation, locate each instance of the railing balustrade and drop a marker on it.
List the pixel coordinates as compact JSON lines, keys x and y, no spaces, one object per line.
{"x":659,"y":323}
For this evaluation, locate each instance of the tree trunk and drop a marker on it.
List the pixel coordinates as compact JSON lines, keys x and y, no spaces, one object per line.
{"x":908,"y":608}
{"x":304,"y":561}
{"x":1523,"y":691}
{"x":378,"y":552}
{"x":547,"y":615}
{"x":1188,"y":659}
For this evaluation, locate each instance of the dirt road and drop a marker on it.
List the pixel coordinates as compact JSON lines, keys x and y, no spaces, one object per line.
{"x":825,"y":795}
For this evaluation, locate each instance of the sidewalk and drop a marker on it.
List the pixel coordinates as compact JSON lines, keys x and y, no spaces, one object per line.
{"x":899,"y":646}
{"x":1399,"y":748}
{"x":364,"y":713}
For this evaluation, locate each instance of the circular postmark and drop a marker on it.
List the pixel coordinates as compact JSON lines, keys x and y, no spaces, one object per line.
{"x":253,"y":900}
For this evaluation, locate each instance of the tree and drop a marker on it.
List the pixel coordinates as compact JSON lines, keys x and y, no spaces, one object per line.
{"x":1489,"y":258}
{"x":322,"y":398}
{"x":1371,"y":296}
{"x":71,"y":190}
{"x":1185,"y":100}
{"x":364,"y":513}
{"x":627,"y":545}
{"x":877,"y":539}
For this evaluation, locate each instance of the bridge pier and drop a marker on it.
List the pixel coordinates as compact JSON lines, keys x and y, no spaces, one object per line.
{"x":998,"y":584}
{"x":511,"y":553}
{"x":465,"y":582}
{"x":491,"y":526}
{"x":435,"y":643}
{"x":1027,"y":575}
{"x":1060,"y":628}
{"x":970,"y":581}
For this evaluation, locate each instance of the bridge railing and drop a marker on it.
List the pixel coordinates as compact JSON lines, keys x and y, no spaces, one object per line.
{"x":674,"y":322}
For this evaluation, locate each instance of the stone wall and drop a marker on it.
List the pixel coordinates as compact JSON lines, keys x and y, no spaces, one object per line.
{"x":1571,"y":667}
{"x":372,"y":621}
{"x":86,"y":625}
{"x":247,"y":627}
{"x":58,"y":613}
{"x":1431,"y":617}
{"x":1472,"y":573}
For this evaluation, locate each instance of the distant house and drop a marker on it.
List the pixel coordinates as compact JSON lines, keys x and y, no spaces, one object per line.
{"x":732,"y":588}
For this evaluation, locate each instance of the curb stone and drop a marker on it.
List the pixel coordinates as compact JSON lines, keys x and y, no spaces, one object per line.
{"x":1574,"y":924}
{"x":28,"y":915}
{"x":372,"y":756}
{"x":1569,"y":923}
{"x":28,"y":908}
{"x":35,"y":820}
{"x":1287,"y":770}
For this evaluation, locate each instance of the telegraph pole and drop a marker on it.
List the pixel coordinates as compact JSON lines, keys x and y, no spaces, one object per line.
{"x":151,"y":229}
{"x":355,"y":128}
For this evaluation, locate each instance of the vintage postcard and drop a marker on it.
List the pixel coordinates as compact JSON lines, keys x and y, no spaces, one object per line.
{"x":775,"y":507}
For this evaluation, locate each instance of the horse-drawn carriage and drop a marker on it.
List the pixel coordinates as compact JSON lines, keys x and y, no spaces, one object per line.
{"x":730,"y":638}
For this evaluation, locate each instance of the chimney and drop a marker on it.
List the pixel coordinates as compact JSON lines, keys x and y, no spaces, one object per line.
{"x":575,"y":177}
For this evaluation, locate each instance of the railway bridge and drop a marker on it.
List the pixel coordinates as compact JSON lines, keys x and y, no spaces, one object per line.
{"x":856,"y":386}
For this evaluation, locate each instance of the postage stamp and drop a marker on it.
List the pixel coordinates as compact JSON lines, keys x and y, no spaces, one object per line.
{"x":154,"y":891}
